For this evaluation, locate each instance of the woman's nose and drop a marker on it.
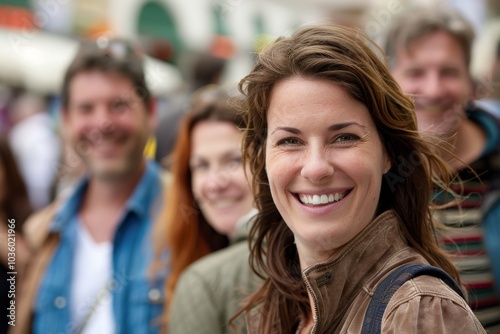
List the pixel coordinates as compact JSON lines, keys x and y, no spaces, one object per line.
{"x":216,"y":181}
{"x":317,"y":166}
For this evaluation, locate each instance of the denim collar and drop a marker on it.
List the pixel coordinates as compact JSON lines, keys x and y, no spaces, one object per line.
{"x":138,"y":203}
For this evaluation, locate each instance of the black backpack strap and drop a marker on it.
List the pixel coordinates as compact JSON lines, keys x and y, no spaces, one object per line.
{"x":389,"y":285}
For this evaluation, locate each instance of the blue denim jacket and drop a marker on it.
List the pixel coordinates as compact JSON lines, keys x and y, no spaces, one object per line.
{"x":137,"y":300}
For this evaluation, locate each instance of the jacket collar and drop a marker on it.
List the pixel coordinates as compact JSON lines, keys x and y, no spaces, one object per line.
{"x":336,"y":283}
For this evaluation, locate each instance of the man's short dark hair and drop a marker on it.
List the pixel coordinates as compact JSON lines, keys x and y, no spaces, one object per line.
{"x":109,"y":56}
{"x":417,"y":22}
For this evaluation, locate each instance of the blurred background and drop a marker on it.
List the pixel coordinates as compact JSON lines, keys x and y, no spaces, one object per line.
{"x":38,"y":36}
{"x":189,"y":43}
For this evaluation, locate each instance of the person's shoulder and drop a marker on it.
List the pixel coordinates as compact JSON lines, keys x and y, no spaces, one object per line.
{"x":431,"y":286}
{"x":224,"y":278}
{"x":229,"y":265}
{"x":37,"y":226}
{"x":427,"y":301}
{"x":235,"y":256}
{"x":488,"y":121}
{"x":489,"y":106}
{"x":481,"y":113}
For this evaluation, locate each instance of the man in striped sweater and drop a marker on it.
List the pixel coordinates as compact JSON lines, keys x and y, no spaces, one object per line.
{"x":429,"y":51}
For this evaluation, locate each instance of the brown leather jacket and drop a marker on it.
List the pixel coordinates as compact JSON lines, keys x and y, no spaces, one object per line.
{"x":343,"y":287}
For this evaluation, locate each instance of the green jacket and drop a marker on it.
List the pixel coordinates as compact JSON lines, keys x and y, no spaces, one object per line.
{"x":210,"y":291}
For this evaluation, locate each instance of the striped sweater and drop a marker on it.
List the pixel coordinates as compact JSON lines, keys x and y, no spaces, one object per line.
{"x":464,"y":239}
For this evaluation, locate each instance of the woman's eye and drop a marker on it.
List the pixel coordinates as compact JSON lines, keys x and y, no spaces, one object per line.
{"x":288,"y":142}
{"x":234,"y":163}
{"x":197,"y":166}
{"x":346,"y":138}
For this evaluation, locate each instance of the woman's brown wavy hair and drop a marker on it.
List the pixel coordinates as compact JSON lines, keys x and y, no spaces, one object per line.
{"x":181,"y":231}
{"x":349,"y":59}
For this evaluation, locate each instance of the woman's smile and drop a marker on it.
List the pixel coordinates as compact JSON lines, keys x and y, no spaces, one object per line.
{"x":316,"y":199}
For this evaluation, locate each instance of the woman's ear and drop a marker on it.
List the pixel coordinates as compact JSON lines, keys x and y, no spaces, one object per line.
{"x":387,"y":158}
{"x":388,"y":166}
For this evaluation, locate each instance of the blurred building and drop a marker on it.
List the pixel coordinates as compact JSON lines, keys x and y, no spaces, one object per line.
{"x":234,"y":29}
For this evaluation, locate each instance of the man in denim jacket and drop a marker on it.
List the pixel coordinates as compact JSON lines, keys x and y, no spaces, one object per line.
{"x":89,"y":273}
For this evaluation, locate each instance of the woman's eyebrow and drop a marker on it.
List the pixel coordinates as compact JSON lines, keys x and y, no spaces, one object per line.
{"x":287,"y":129}
{"x":334,"y":127}
{"x":340,"y":126}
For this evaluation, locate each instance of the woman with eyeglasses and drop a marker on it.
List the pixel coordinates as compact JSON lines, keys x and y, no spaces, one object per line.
{"x":208,"y":207}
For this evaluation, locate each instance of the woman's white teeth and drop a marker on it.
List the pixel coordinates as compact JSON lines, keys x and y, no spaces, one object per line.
{"x":321,"y":199}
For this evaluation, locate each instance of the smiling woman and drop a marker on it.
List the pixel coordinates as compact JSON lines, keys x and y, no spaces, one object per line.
{"x":219,"y":184}
{"x":328,"y":130}
{"x":206,"y":209}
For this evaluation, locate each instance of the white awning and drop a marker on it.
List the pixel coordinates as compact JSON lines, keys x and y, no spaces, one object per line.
{"x":38,"y":61}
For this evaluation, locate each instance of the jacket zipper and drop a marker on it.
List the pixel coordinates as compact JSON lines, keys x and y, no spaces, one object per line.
{"x":315,"y":300}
